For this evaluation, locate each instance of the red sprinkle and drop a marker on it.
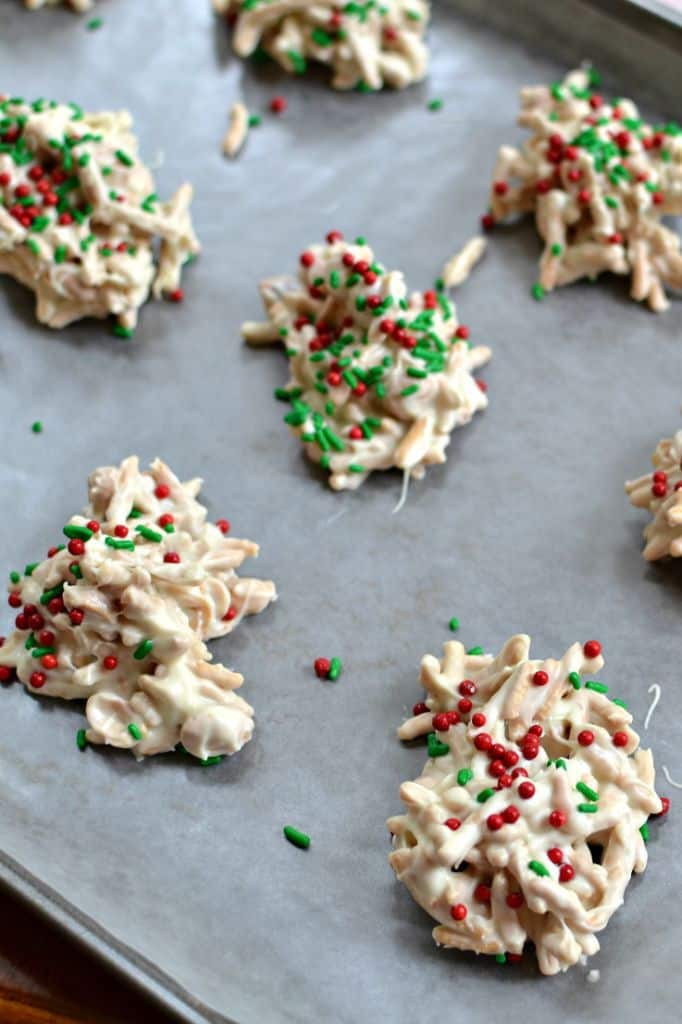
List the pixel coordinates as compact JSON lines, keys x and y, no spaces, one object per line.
{"x":468,"y":688}
{"x":49,"y":661}
{"x":483,"y":741}
{"x":458,"y":912}
{"x":121,"y":531}
{"x":110,"y":662}
{"x":620,"y":739}
{"x":555,"y":855}
{"x":278,"y":104}
{"x":453,"y":823}
{"x":482,"y":893}
{"x":171,"y":558}
{"x":592,"y":649}
{"x":494,"y":822}
{"x":322,"y":667}
{"x":223,"y":525}
{"x":526,"y":790}
{"x":586,"y":738}
{"x":162,"y":491}
{"x":76,"y":615}
{"x":515,"y":900}
{"x":511,"y":815}
{"x":76,"y":547}
{"x":558,"y":819}
{"x":566,"y":873}
{"x":462,"y":332}
{"x":540,"y":678}
{"x":420,"y":709}
{"x":38,"y":679}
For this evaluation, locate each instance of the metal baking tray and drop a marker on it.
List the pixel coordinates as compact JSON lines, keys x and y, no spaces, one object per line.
{"x":177,"y":875}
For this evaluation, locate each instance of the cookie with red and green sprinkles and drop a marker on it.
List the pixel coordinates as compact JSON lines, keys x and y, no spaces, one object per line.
{"x":118,"y":612}
{"x":379,"y":378}
{"x":80,"y":218}
{"x":367,"y":45}
{"x":599,"y":180}
{"x":660,"y":492}
{"x":530,"y":815}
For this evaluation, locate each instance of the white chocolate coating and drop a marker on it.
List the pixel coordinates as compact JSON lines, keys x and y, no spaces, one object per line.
{"x":395,"y":398}
{"x":444,"y":865}
{"x":382,"y":45}
{"x":661,"y":493}
{"x":598,"y":179}
{"x":236,"y":134}
{"x":80,"y":218}
{"x":124,"y":597}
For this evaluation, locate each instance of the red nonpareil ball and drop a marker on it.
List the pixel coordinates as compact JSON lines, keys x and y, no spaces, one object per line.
{"x":526,"y":789}
{"x":592,"y":649}
{"x":162,"y":491}
{"x":453,"y":823}
{"x":110,"y":662}
{"x":557,"y":819}
{"x":420,"y":708}
{"x":511,"y":815}
{"x":334,"y":236}
{"x":171,"y":558}
{"x":278,"y":104}
{"x":620,"y":739}
{"x":5,"y":674}
{"x":37,"y":680}
{"x":468,"y":688}
{"x":322,"y":667}
{"x":230,"y":614}
{"x":482,"y":893}
{"x":566,"y":873}
{"x":223,"y":525}
{"x":458,"y":912}
{"x":120,"y":530}
{"x":586,"y":738}
{"x":494,"y":822}
{"x":515,"y":900}
{"x":540,"y":678}
{"x":49,"y":662}
{"x":555,"y":855}
{"x":76,"y":547}
{"x":483,"y":741}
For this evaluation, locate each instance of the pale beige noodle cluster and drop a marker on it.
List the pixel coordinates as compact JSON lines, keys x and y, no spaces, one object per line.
{"x":80,"y":216}
{"x":599,"y":180}
{"x":530,"y":816}
{"x":81,"y":6}
{"x":378,"y":379}
{"x":122,"y":623}
{"x":382,"y":45}
{"x":661,"y":493}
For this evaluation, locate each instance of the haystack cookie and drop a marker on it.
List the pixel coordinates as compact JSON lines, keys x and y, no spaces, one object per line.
{"x":79,"y":215}
{"x":377,"y":379}
{"x":81,"y":6}
{"x":366,"y":45}
{"x":599,"y":179}
{"x":118,"y":616}
{"x":661,"y":493}
{"x":531,"y":814}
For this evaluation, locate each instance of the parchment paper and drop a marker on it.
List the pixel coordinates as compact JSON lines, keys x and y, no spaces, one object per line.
{"x":184,"y":870}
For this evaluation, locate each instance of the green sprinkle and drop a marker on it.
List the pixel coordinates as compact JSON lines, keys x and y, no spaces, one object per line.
{"x":123,"y":158}
{"x":94,"y":24}
{"x":207,"y":762}
{"x":644,"y":832}
{"x":123,"y":332}
{"x":574,"y":680}
{"x":255,"y":121}
{"x":597,"y":687}
{"x":588,"y":808}
{"x":560,"y":763}
{"x":48,"y":595}
{"x":134,"y":731}
{"x":14,"y":577}
{"x":74,"y":532}
{"x":538,"y":292}
{"x":556,"y":249}
{"x":435,"y":104}
{"x":484,"y":795}
{"x":538,"y":868}
{"x":149,"y":534}
{"x":355,"y":467}
{"x":583,"y":788}
{"x":81,"y":739}
{"x":299,"y":839}
{"x":30,"y":642}
{"x":37,"y":427}
{"x":60,"y":254}
{"x":143,"y":649}
{"x":464,"y":775}
{"x":30,"y":568}
{"x":619,"y":702}
{"x":38,"y":652}
{"x":76,"y":571}
{"x":453,"y":625}
{"x":335,"y":668}
{"x":411,"y":390}
{"x":435,"y":747}
{"x":119,"y":545}
{"x":475,"y":650}
{"x":501,"y":958}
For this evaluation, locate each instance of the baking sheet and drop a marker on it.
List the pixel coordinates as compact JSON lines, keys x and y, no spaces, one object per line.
{"x":179,"y":875}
